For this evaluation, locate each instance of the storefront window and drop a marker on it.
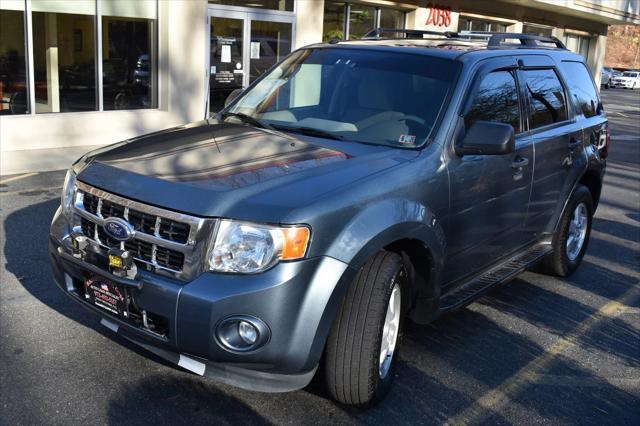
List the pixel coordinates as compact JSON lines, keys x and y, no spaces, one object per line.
{"x":539,"y":30}
{"x":64,"y":55}
{"x":577,"y":43}
{"x":466,"y":23}
{"x":284,"y":5}
{"x":128,"y":54}
{"x":333,"y":21}
{"x":391,"y":18}
{"x":13,"y":70}
{"x":362,"y":19}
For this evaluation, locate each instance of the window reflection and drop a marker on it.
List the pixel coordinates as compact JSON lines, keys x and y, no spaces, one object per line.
{"x":496,"y":100}
{"x":13,"y":75}
{"x":546,"y":96}
{"x":127,"y":64}
{"x":582,"y":88}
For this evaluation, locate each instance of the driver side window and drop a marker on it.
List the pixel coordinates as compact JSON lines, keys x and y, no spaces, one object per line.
{"x":496,"y":100}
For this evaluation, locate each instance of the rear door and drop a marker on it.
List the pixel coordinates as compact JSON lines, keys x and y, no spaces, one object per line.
{"x":586,"y":104}
{"x":557,"y":138}
{"x":489,"y":193}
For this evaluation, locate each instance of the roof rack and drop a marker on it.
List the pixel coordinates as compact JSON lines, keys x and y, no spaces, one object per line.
{"x":494,"y":39}
{"x":376,"y":33}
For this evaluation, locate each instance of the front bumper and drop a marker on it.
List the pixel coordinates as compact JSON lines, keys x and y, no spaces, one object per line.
{"x":297,"y":301}
{"x":623,"y":84}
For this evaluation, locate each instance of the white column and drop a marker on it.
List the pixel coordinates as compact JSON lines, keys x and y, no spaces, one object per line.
{"x":516,"y":27}
{"x":53,"y":82}
{"x":597,"y":48}
{"x":417,"y":18}
{"x":309,"y":22}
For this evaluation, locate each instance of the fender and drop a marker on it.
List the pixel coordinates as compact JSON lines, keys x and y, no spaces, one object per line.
{"x":383,"y":223}
{"x":372,"y":229}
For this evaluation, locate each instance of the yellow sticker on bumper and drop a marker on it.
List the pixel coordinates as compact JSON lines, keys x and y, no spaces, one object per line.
{"x":116,"y":261}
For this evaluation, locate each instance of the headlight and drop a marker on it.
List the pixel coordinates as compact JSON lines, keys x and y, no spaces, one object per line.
{"x":68,"y":193}
{"x":247,"y":248}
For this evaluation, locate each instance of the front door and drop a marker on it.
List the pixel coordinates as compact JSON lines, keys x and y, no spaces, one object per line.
{"x":243,"y":44}
{"x":489,"y":193}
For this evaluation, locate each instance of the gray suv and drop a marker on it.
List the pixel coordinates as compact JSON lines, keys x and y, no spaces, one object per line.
{"x":354,"y":186}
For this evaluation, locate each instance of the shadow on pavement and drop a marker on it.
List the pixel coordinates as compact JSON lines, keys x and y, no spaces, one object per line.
{"x":444,"y":368}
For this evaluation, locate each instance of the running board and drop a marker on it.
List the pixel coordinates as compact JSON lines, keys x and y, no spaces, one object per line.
{"x":498,"y":274}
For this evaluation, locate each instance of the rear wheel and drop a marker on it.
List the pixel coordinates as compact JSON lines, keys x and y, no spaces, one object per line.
{"x":362,"y":348}
{"x":572,"y":236}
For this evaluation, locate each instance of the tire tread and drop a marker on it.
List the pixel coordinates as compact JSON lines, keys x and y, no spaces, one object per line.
{"x":352,"y":345}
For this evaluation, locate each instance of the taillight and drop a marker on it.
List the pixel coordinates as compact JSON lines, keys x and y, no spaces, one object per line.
{"x":604,"y":149}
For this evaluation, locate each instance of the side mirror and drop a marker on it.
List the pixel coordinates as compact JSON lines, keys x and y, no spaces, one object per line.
{"x":234,"y":94}
{"x":487,"y":138}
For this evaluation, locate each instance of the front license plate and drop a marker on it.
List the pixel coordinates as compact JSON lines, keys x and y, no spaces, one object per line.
{"x":103,"y":293}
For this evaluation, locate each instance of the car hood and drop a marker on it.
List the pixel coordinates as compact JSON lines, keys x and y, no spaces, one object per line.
{"x":215,"y":169}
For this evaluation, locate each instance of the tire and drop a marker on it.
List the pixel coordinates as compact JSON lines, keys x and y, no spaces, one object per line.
{"x":563,"y":261}
{"x":353,"y":371}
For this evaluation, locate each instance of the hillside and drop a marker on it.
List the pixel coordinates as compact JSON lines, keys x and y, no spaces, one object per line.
{"x":623,"y":47}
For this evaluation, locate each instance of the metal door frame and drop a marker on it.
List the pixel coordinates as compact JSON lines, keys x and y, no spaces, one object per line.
{"x":247,"y":15}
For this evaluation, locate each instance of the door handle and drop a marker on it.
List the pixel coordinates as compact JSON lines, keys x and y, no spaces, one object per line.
{"x":520,"y":162}
{"x":574,"y":143}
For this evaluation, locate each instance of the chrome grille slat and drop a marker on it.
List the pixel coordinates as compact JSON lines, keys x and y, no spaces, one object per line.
{"x":155,"y":228}
{"x":184,"y":248}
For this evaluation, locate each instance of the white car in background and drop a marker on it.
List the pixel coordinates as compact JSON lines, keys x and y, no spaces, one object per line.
{"x":628,"y":80}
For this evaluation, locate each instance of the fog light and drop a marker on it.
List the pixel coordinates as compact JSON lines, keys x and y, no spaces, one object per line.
{"x":247,"y":332}
{"x":242,"y":333}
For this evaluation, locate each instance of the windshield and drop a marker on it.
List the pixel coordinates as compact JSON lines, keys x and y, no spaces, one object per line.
{"x":356,"y":95}
{"x":630,"y":74}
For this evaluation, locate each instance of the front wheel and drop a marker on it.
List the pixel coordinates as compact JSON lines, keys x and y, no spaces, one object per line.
{"x":362,"y":348}
{"x":572,"y":236}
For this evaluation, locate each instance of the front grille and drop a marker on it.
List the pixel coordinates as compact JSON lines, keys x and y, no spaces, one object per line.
{"x":141,"y":222}
{"x":161,"y":231}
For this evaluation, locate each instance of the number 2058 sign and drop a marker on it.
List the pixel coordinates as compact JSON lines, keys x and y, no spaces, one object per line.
{"x":439,"y":16}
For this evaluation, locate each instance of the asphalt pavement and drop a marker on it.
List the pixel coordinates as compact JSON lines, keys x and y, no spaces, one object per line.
{"x":539,"y":350}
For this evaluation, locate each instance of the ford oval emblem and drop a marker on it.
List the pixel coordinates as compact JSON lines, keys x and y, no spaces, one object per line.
{"x":118,"y":229}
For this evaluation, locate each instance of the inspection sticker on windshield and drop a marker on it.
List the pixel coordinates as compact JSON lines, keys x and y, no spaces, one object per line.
{"x":407,"y":139}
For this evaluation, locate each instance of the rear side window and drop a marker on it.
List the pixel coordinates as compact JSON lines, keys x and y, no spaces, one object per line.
{"x":496,"y":100}
{"x":546,"y":97}
{"x":585,"y":96}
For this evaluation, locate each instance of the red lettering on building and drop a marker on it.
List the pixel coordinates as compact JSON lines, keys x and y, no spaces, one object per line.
{"x":439,"y":16}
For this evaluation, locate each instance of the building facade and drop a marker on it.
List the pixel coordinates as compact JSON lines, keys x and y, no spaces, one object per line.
{"x":76,"y":74}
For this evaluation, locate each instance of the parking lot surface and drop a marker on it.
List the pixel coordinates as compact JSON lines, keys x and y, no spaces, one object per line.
{"x":539,"y":350}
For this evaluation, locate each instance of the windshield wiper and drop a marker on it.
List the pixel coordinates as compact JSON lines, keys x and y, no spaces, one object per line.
{"x":246,"y":119}
{"x":309,"y":131}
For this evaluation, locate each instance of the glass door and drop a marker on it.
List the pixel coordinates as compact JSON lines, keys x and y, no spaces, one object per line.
{"x":270,"y":42}
{"x":243,"y":44}
{"x":226,"y":57}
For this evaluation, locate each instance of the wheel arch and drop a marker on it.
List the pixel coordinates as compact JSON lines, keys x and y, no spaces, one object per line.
{"x":593,"y":181}
{"x":405,"y":227}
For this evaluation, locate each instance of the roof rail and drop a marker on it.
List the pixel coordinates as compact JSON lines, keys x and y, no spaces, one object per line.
{"x":376,"y":33}
{"x":494,"y":39}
